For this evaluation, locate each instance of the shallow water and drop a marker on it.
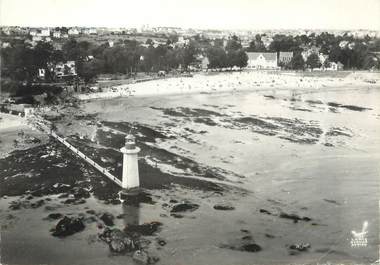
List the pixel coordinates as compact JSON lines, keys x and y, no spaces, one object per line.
{"x":304,"y":152}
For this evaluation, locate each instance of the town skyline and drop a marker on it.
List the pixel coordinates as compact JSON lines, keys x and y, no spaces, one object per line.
{"x":208,"y":15}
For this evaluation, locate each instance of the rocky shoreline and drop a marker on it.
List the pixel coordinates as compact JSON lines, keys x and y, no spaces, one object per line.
{"x":198,"y":193}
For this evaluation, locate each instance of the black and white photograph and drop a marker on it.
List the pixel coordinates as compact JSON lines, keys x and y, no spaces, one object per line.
{"x":190,"y":132}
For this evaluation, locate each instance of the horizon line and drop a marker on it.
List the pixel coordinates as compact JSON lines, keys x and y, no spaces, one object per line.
{"x":193,"y":28}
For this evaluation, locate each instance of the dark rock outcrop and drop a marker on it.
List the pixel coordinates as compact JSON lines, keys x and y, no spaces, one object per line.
{"x":146,"y":229}
{"x":184,"y":207}
{"x":295,"y":217}
{"x":118,"y":241}
{"x":251,"y":247}
{"x":68,"y":226}
{"x":107,"y":219}
{"x":54,"y":216}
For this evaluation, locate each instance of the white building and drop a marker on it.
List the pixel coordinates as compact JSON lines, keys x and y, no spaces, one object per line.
{"x":92,"y":31}
{"x":309,"y":51}
{"x":56,"y":34}
{"x":41,"y":73}
{"x":262,"y":60}
{"x":5,"y":44}
{"x":323,"y":58}
{"x":334,"y":66}
{"x":285,"y":57}
{"x":44,"y":33}
{"x":73,"y":31}
{"x":65,"y":69}
{"x":36,"y":38}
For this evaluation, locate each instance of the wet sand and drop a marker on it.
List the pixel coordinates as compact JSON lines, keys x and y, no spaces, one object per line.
{"x":15,"y":134}
{"x":290,"y":167}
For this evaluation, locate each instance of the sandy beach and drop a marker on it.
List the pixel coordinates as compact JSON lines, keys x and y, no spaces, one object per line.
{"x":239,"y":81}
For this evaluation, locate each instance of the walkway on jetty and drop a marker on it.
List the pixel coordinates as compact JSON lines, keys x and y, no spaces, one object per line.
{"x":43,"y":127}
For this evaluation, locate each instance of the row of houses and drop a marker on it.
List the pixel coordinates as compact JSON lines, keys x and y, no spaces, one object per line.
{"x":58,"y":33}
{"x":61,"y":70}
{"x":274,"y":60}
{"x":256,"y":60}
{"x":268,"y":60}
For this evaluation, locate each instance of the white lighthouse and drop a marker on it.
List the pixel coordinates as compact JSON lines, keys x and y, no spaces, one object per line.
{"x":131,"y":177}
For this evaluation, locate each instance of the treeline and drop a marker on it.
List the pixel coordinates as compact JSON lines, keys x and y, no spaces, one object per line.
{"x":231,"y":55}
{"x":353,"y":53}
{"x":20,"y":61}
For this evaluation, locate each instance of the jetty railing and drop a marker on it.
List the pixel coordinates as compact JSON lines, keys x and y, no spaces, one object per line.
{"x":101,"y":169}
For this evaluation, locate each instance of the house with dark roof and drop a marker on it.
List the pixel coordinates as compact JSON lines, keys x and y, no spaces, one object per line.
{"x":63,"y":70}
{"x":285,"y":57}
{"x":262,"y":60}
{"x":333,"y":66}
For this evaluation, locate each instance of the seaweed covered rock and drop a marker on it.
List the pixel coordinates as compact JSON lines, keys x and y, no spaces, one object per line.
{"x":118,"y":241}
{"x":54,"y":216}
{"x":294,"y":217}
{"x":184,"y":207}
{"x":252,"y":247}
{"x":142,"y":257}
{"x":68,"y":226}
{"x":146,"y":229}
{"x":300,"y":247}
{"x":107,"y":219}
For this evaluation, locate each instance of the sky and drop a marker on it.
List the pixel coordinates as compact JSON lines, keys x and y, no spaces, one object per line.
{"x":202,"y":14}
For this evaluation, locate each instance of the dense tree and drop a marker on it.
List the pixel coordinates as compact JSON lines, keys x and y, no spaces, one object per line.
{"x":43,"y":54}
{"x":284,"y":43}
{"x":217,"y":57}
{"x":297,"y":62}
{"x":335,"y":54}
{"x":173,"y":58}
{"x":313,"y":61}
{"x":252,"y":46}
{"x":71,"y":50}
{"x":189,"y":53}
{"x":18,"y":62}
{"x":303,"y":39}
{"x":77,"y":51}
{"x":374,"y":45}
{"x":218,"y":43}
{"x":360,"y":52}
{"x":256,"y":45}
{"x":149,"y":42}
{"x":89,"y":70}
{"x":242,"y":58}
{"x":233,"y":44}
{"x":371,"y":62}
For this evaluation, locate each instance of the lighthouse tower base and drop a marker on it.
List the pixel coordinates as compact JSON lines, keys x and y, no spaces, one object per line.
{"x":130,"y":195}
{"x":130,"y":178}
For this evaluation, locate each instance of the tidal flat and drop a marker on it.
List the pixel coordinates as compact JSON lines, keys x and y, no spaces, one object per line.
{"x":262,"y":177}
